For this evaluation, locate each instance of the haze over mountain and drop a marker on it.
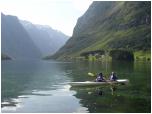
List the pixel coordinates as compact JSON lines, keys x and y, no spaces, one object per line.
{"x":45,"y":38}
{"x":24,"y":40}
{"x":15,"y":41}
{"x":111,"y":25}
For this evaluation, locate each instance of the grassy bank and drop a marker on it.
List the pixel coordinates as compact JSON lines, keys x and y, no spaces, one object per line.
{"x":142,"y":55}
{"x":138,"y":56}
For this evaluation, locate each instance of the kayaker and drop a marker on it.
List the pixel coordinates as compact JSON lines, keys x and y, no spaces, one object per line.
{"x":113,"y":76}
{"x":100,"y":78}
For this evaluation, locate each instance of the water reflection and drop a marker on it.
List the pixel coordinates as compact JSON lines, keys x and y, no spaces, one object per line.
{"x":24,"y":80}
{"x":135,"y":97}
{"x":29,"y":86}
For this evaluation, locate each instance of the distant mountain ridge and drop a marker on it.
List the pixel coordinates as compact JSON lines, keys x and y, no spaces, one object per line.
{"x":15,"y":41}
{"x":24,"y":40}
{"x":45,"y":38}
{"x":111,"y":25}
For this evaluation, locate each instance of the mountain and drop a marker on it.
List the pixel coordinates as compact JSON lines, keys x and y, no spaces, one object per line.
{"x":45,"y":38}
{"x":24,"y":40}
{"x":110,"y":25}
{"x":15,"y":41}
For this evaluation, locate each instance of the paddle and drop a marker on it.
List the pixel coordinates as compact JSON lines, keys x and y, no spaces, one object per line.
{"x":91,"y":74}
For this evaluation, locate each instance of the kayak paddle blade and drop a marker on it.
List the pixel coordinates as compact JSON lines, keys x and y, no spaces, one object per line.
{"x":91,"y":74}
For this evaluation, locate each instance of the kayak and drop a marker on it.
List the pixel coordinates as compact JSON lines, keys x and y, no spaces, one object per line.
{"x":91,"y":83}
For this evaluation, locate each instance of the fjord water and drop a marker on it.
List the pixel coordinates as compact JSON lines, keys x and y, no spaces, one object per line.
{"x":42,"y":86}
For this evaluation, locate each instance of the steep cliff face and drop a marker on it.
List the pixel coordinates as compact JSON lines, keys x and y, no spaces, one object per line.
{"x":15,"y":41}
{"x":111,"y":25}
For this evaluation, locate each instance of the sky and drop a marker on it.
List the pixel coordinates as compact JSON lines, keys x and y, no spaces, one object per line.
{"x":61,"y":15}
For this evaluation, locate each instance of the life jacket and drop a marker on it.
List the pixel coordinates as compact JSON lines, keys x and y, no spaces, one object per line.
{"x":113,"y":77}
{"x":99,"y":78}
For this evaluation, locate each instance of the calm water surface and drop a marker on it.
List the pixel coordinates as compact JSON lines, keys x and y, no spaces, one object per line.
{"x":42,"y":86}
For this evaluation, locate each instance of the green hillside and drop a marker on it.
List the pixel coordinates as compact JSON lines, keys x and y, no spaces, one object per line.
{"x":111,"y":25}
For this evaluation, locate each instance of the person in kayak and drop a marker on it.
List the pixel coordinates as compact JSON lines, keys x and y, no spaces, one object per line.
{"x":113,"y":76}
{"x":100,"y":78}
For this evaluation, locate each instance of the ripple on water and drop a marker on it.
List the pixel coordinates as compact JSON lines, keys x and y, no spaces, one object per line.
{"x":11,"y":105}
